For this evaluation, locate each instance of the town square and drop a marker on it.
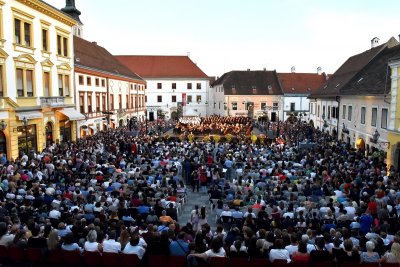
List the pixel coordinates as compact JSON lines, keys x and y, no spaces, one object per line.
{"x":119,"y":151}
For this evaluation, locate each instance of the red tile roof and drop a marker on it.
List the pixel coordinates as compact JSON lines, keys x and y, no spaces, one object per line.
{"x":90,"y":55}
{"x":162,"y":66}
{"x":349,"y":70}
{"x":301,"y":83}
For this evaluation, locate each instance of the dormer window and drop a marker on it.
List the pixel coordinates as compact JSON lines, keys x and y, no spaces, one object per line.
{"x":234,"y":92}
{"x":254,"y":90}
{"x":270,"y":89}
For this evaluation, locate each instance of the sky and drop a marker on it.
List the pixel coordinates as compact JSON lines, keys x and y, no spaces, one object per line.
{"x":224,"y":35}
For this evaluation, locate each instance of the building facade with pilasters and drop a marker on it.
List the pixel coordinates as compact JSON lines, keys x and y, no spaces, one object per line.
{"x":36,"y":77}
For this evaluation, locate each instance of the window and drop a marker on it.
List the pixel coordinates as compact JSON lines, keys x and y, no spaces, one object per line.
{"x":335,"y":112}
{"x":103,"y":83}
{"x":198,"y":98}
{"x":45,"y":41}
{"x":329,"y":112}
{"x":189,"y":86}
{"x":88,"y":81}
{"x":349,"y":114}
{"x":24,"y":82}
{"x":173,"y":99}
{"x":111,"y":102}
{"x":384,"y":117}
{"x":80,"y":80}
{"x":46,"y":84}
{"x":97,"y":81}
{"x":63,"y":85}
{"x":127,"y":101}
{"x":20,"y":82}
{"x":263,"y":105}
{"x":62,"y":46}
{"x":363,"y":111}
{"x":66,"y":85}
{"x":89,"y":104}
{"x":344,"y":112}
{"x":159,"y":98}
{"x":374,"y":116}
{"x":22,"y":32}
{"x":198,"y":86}
{"x":97,"y":102}
{"x":81,"y":103}
{"x":189,"y":99}
{"x":104,"y":102}
{"x":60,"y":85}
{"x":159,"y":85}
{"x":234,"y":106}
{"x":292,"y":106}
{"x":323,"y":112}
{"x":254,"y":90}
{"x":174,"y":86}
{"x":275,"y":106}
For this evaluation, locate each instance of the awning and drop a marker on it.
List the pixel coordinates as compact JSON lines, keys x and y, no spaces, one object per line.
{"x":29,"y":115}
{"x":72,"y":114}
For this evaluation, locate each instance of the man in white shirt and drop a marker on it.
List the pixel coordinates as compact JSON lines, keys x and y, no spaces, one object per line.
{"x":54,"y":214}
{"x":110,"y":245}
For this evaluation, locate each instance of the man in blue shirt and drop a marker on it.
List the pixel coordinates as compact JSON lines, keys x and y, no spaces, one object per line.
{"x":179,"y":247}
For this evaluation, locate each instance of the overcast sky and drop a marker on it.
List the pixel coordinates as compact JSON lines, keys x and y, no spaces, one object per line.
{"x":225,"y":35}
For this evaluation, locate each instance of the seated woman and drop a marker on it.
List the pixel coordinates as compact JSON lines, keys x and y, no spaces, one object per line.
{"x":370,"y":255}
{"x":393,"y":256}
{"x":301,"y":255}
{"x":349,"y":254}
{"x":320,"y":254}
{"x":69,"y":243}
{"x":216,"y":250}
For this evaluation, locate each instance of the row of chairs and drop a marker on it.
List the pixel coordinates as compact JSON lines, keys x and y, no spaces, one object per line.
{"x":37,"y":257}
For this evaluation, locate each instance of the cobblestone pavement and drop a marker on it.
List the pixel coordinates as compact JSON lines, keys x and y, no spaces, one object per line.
{"x":199,"y":199}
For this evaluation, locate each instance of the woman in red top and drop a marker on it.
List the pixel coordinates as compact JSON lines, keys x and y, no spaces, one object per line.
{"x":301,"y":255}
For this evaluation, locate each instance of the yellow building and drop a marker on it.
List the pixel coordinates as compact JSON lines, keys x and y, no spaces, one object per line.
{"x":393,"y":152}
{"x":36,"y":77}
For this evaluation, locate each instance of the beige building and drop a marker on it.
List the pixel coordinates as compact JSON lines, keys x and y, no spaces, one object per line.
{"x":247,"y":93}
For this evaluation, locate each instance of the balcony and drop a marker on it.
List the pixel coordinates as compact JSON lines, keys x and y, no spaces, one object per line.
{"x":52,"y":101}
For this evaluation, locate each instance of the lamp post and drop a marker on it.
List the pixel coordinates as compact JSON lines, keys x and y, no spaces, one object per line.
{"x":25,"y":121}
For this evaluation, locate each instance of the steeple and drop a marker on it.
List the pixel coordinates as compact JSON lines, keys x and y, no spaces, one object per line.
{"x":71,"y":10}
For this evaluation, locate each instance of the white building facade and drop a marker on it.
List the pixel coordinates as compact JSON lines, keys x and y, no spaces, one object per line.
{"x":164,"y":96}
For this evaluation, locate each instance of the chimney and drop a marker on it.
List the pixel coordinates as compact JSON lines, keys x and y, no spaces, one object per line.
{"x":374,"y":42}
{"x":248,"y":69}
{"x":264,"y":69}
{"x":95,"y":43}
{"x":319,"y":70}
{"x":399,"y":37}
{"x":293,"y":69}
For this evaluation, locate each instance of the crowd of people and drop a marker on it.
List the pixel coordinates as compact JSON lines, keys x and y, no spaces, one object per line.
{"x":113,"y":192}
{"x":214,"y":124}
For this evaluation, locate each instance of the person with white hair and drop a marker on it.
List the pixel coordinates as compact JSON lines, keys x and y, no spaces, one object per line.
{"x":369,"y":255}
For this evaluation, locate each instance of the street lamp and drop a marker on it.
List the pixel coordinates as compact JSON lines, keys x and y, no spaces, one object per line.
{"x":25,"y":121}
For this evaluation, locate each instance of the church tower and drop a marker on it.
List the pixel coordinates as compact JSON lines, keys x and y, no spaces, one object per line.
{"x":71,"y":10}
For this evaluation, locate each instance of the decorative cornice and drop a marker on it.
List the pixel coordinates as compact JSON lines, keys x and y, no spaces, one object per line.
{"x":49,"y":11}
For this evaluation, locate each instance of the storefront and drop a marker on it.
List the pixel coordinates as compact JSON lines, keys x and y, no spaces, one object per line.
{"x":27,"y":138}
{"x":49,"y":133}
{"x":65,"y":131}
